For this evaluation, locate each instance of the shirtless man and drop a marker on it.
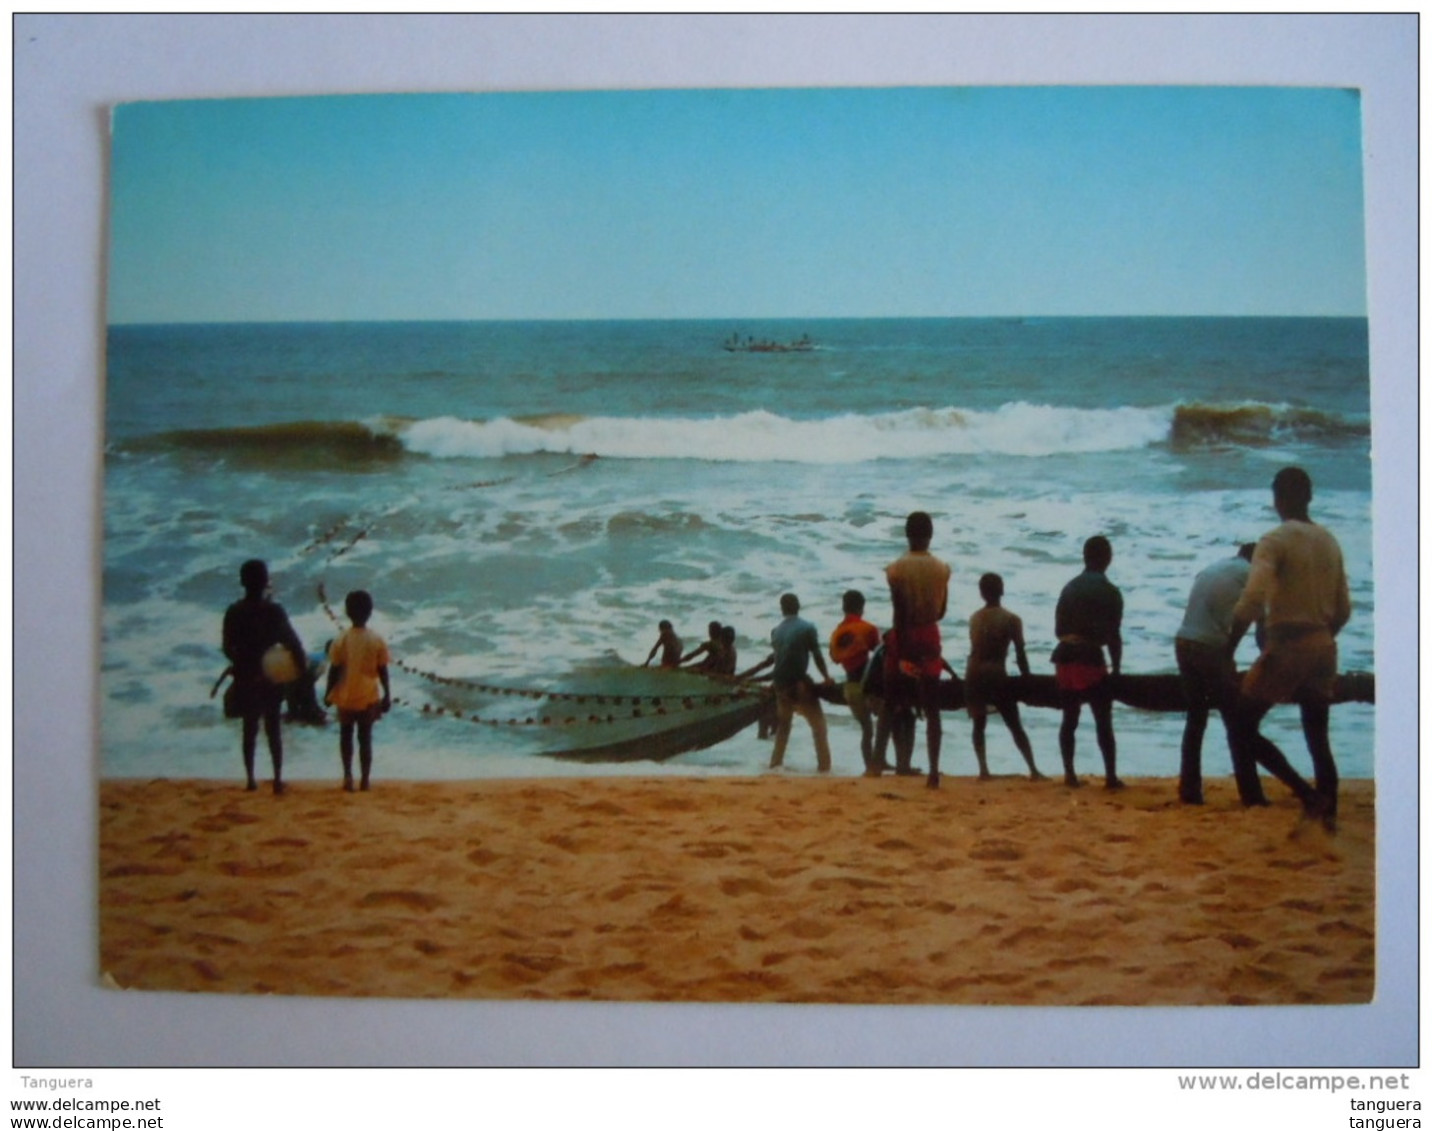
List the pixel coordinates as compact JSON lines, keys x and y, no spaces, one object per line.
{"x":919,"y":591}
{"x":713,"y":650}
{"x":897,"y":724}
{"x":1298,"y":585}
{"x":1087,"y":620}
{"x":992,"y":630}
{"x":728,"y":651}
{"x":668,"y":644}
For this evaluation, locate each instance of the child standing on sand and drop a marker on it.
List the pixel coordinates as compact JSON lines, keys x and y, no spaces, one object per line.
{"x":359,"y":660}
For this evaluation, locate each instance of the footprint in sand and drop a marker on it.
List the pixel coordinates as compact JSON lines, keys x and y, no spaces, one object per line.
{"x":1294,"y":865}
{"x":677,"y":908}
{"x":1341,"y":928}
{"x":1084,"y":960}
{"x":536,"y":963}
{"x":622,"y":969}
{"x":205,"y":939}
{"x":859,"y":883}
{"x":673,"y":804}
{"x":258,"y":871}
{"x":1004,"y":850}
{"x":1033,"y":933}
{"x":122,"y":870}
{"x":736,"y":886}
{"x":412,"y":900}
{"x":223,"y":822}
{"x":603,"y":808}
{"x":706,"y":851}
{"x":1347,"y":974}
{"x":807,"y":929}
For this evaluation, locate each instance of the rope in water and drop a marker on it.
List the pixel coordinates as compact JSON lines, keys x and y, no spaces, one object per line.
{"x":659,"y":704}
{"x":428,"y":710}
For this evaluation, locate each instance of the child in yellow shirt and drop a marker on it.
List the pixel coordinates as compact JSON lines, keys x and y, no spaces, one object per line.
{"x":359,"y":660}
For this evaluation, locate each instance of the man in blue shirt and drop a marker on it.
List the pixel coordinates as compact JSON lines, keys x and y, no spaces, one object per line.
{"x":794,"y":643}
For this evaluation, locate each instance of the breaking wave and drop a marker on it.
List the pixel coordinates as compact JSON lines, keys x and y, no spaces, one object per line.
{"x":1257,"y":425}
{"x":1018,"y":429}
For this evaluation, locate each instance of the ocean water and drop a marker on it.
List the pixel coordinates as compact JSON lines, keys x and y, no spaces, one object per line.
{"x":526,"y":500}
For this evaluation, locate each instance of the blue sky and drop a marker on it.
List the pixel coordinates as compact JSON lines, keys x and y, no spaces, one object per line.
{"x":740,"y":203}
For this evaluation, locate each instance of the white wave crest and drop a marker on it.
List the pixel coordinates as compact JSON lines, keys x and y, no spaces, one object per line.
{"x":752,"y":437}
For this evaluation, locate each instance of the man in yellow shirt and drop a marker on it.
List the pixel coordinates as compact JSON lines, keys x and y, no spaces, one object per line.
{"x":360,"y":691}
{"x":1298,"y":585}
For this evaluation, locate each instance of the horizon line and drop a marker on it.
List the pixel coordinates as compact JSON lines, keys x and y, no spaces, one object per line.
{"x":752,"y":318}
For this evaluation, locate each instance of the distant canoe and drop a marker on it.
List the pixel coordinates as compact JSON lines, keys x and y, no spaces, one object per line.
{"x":734,"y":344}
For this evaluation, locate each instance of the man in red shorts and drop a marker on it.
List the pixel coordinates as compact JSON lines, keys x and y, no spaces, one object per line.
{"x":1298,"y":585}
{"x":1086,"y":621}
{"x":919,"y":591}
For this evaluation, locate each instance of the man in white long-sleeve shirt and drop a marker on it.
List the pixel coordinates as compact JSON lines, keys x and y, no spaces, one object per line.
{"x":1298,"y":586}
{"x":1205,"y":667}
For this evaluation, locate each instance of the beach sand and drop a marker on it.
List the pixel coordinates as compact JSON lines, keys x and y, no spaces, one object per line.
{"x":778,"y":888}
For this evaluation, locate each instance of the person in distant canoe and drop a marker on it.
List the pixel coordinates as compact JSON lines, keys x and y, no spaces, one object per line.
{"x":252,"y":625}
{"x":359,"y":658}
{"x":1298,"y":585}
{"x":992,"y":630}
{"x":1205,"y":666}
{"x":668,"y":644}
{"x":1087,"y":620}
{"x":851,"y":645}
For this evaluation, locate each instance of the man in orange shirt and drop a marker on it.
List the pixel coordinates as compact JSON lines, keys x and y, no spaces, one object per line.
{"x":851,"y":644}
